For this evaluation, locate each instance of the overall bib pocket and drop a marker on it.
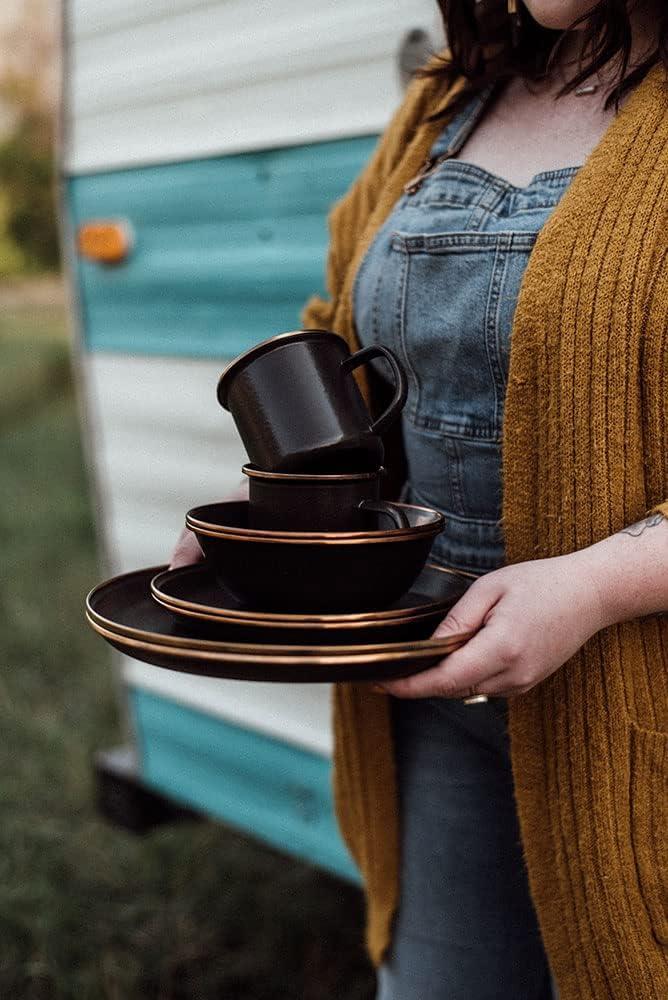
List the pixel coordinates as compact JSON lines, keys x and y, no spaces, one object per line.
{"x":456,"y":296}
{"x":455,"y":303}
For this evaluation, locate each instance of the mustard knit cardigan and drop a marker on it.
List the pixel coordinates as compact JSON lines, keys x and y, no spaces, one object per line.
{"x":585,"y":452}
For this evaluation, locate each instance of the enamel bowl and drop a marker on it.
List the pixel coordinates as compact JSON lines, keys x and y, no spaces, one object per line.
{"x":302,"y":571}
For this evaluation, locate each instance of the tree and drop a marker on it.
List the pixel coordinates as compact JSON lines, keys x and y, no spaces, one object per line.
{"x":28,"y":84}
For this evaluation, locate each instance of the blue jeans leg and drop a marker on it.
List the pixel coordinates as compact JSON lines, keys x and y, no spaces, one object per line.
{"x":466,"y":928}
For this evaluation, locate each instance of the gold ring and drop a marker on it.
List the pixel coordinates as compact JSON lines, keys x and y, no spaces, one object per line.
{"x":473,"y":698}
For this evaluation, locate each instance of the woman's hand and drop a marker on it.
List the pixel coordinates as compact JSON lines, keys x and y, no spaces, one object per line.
{"x":534,"y":616}
{"x":186,"y":550}
{"x":530,"y":617}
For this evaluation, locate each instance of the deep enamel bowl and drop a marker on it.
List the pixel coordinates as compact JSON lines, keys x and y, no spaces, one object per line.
{"x":326,"y":572}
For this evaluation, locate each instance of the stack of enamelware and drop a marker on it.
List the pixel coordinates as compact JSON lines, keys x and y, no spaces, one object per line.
{"x":314,"y":577}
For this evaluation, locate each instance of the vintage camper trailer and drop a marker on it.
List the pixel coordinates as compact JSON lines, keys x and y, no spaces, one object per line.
{"x":203,"y":143}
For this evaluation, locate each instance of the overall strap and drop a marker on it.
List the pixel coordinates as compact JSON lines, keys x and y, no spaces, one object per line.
{"x":455,"y":134}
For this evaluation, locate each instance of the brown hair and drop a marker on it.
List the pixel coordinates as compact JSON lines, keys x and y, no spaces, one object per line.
{"x":483,"y":47}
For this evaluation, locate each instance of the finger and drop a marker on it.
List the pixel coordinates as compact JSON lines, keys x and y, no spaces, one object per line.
{"x":494,"y":686}
{"x":502,"y":685}
{"x":471,"y":610}
{"x":187,"y":551}
{"x":470,"y":665}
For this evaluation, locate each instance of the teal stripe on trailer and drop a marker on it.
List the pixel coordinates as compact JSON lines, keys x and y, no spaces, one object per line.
{"x":274,"y":790}
{"x":226,"y":251}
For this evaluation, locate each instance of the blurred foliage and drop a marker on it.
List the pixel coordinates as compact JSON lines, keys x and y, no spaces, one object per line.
{"x":12,"y":260}
{"x":28,"y":88}
{"x":28,"y":230}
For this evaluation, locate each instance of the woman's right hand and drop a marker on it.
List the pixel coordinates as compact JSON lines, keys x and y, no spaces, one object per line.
{"x":187,"y":550}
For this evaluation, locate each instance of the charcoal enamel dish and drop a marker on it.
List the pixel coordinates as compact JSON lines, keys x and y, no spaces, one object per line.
{"x":321,"y":572}
{"x":123,"y":612}
{"x":193,"y":592}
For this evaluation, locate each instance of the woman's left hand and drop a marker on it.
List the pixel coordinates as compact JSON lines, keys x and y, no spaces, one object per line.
{"x":530,"y":618}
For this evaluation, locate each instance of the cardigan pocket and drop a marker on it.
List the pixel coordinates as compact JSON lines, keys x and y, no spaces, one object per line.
{"x":649,"y":822}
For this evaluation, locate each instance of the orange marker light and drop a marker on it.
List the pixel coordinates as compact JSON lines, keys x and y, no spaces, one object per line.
{"x":106,"y":241}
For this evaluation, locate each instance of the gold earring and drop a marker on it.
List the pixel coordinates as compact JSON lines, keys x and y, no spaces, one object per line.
{"x":515,"y":21}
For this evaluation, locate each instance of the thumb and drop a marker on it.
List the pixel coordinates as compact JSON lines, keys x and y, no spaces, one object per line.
{"x":187,"y":550}
{"x":471,"y":610}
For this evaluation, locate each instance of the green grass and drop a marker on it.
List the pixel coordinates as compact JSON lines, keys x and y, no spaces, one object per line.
{"x":86,"y":911}
{"x":34,"y":359}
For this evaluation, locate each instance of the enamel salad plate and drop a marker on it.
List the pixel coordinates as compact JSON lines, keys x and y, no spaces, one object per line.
{"x":193,"y":592}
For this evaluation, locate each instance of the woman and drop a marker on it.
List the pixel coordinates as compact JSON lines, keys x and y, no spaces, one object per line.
{"x":527,"y":295}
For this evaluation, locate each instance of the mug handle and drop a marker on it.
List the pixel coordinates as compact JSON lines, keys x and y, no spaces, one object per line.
{"x":386,"y":419}
{"x":395,"y":514}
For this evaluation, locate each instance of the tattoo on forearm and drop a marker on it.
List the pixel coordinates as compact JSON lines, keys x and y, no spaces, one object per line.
{"x":634,"y":530}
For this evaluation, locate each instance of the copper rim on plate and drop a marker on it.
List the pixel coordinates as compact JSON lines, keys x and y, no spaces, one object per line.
{"x":99,"y":622}
{"x":288,"y":655}
{"x":359,"y":619}
{"x":123,"y":612}
{"x":311,"y":618}
{"x":225,"y":619}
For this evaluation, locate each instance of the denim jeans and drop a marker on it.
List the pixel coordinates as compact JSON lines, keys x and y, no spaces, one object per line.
{"x":466,"y":927}
{"x":439,"y":285}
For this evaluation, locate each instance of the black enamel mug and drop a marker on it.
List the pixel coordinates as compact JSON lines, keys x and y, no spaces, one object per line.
{"x":285,"y":501}
{"x":298,"y":408}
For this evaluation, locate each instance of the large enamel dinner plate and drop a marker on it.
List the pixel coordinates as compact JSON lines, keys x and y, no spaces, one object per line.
{"x":123,"y":612}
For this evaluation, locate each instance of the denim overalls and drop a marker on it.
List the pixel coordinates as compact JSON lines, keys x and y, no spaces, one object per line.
{"x":439,"y":285}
